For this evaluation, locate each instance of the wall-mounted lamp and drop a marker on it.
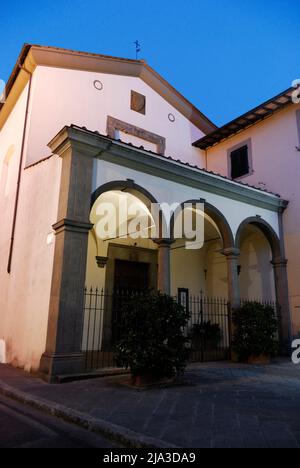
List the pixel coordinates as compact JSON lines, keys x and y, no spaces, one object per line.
{"x":239,"y":269}
{"x":205,"y":274}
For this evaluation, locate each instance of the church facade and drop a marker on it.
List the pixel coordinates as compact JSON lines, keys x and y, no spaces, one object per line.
{"x":80,"y":132}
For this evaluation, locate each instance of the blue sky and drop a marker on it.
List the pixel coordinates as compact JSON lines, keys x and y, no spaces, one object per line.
{"x":224,"y":56}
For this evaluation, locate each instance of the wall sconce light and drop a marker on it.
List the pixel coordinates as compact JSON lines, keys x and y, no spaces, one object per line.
{"x":101,"y":261}
{"x":239,"y":269}
{"x":205,"y":274}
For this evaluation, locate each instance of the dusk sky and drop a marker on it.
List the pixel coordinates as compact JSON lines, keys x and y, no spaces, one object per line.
{"x":224,"y":56}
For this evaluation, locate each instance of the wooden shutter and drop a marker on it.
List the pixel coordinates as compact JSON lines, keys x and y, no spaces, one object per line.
{"x":239,"y":162}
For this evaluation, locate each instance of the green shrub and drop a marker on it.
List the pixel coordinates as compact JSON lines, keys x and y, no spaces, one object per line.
{"x":152,"y":343}
{"x":255,"y":331}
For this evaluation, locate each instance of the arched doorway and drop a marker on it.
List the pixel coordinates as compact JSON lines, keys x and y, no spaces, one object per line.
{"x":255,"y":270}
{"x":121,"y":254}
{"x":121,"y":261}
{"x":261,"y":252}
{"x":203,"y":268}
{"x":265,"y":229}
{"x":199,"y":279}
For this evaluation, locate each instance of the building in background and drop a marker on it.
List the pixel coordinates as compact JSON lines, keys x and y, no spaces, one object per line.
{"x":262,"y":148}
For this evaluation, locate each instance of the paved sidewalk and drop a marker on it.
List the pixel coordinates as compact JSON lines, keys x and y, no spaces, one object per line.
{"x":220,"y":405}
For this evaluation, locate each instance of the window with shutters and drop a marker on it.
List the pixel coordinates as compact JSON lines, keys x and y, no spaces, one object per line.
{"x":240,"y":161}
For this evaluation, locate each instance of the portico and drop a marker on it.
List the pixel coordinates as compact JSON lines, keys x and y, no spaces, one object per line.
{"x":95,"y":166}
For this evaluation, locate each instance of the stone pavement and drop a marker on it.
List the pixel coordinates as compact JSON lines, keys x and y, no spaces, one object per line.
{"x":220,"y":405}
{"x":25,"y":427}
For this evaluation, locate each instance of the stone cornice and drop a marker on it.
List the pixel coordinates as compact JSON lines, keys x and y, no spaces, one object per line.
{"x":95,"y":145}
{"x":67,"y":139}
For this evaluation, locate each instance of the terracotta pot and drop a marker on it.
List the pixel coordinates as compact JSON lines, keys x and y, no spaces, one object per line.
{"x":142,"y":381}
{"x":259,"y":360}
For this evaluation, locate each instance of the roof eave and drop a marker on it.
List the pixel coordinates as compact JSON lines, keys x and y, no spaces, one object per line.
{"x":249,"y":119}
{"x":16,"y":70}
{"x":65,"y":58}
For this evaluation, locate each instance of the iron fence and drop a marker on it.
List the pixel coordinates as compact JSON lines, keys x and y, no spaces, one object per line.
{"x":208,"y":329}
{"x":96,"y":346}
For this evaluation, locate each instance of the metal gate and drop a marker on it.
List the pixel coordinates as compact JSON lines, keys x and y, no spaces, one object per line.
{"x":208,"y":329}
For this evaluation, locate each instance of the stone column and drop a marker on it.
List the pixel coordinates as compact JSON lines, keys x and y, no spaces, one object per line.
{"x":232,"y":256}
{"x":66,"y":308}
{"x":234,"y":297}
{"x":164,"y":265}
{"x":282,"y":298}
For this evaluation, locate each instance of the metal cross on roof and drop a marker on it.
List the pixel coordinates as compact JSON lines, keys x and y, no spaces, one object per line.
{"x":137,"y":49}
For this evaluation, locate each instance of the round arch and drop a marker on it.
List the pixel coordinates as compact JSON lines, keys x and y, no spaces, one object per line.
{"x":128,"y":186}
{"x":266,"y":229}
{"x":218,"y":218}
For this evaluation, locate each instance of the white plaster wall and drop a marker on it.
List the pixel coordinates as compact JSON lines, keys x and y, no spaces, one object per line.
{"x":24,"y":294}
{"x":187,"y":270}
{"x":276,"y":165}
{"x":63,"y":97}
{"x":216,"y":266}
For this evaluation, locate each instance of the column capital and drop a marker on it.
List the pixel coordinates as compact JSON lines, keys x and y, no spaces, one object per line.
{"x":77,"y":140}
{"x":231,"y":252}
{"x":163,"y":242}
{"x":279,"y":262}
{"x":71,"y":225}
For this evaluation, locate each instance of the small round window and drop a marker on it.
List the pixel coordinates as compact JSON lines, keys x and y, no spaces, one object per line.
{"x":98,"y":85}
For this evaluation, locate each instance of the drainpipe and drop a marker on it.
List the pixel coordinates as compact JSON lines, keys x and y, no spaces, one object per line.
{"x":19,"y":172}
{"x":284,"y":279}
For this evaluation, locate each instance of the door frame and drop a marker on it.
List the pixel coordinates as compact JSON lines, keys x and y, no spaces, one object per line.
{"x":127,"y":253}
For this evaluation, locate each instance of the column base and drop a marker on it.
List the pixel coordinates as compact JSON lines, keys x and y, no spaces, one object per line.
{"x":285,"y":348}
{"x":54,"y":365}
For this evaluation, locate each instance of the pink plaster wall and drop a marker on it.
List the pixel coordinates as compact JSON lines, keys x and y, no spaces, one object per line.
{"x":24,"y":293}
{"x":276,"y":166}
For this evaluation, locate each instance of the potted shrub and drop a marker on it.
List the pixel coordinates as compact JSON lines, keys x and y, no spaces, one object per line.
{"x":255,"y":337}
{"x":152,"y":342}
{"x":207,"y":335}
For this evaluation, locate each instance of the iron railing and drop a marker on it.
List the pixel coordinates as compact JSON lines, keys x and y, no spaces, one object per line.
{"x":208,"y":328}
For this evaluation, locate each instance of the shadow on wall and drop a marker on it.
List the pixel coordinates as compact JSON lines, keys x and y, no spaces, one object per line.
{"x":256,"y":275}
